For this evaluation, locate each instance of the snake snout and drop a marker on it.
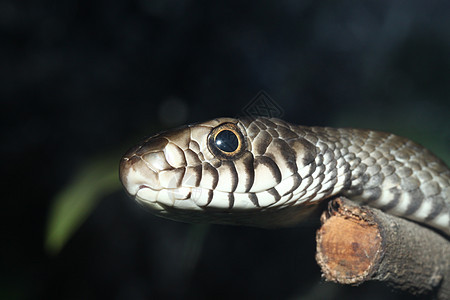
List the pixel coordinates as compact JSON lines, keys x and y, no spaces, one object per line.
{"x":153,"y":172}
{"x":136,"y":175}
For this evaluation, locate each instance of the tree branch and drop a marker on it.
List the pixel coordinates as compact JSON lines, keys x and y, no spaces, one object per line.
{"x":356,"y":244}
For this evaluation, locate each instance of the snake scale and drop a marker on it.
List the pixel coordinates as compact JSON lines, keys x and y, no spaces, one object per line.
{"x":266,"y":172}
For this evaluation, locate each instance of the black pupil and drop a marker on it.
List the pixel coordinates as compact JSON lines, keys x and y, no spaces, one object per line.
{"x":227,"y":141}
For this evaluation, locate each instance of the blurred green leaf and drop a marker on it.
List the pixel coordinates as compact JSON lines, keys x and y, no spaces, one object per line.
{"x":74,"y":203}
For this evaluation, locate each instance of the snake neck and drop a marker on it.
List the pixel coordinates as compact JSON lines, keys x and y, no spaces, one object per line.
{"x":385,"y":171}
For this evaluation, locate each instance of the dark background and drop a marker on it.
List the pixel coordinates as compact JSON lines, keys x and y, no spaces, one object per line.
{"x":82,"y":79}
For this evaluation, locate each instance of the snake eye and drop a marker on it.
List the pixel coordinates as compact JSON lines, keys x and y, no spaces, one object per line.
{"x":226,"y":141}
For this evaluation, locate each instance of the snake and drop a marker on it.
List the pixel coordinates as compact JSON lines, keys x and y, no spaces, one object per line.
{"x":266,"y":172}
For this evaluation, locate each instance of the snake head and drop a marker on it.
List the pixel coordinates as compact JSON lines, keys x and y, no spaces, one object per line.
{"x":222,"y":171}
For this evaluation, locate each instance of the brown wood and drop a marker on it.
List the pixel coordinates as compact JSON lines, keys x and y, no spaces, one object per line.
{"x":356,"y":244}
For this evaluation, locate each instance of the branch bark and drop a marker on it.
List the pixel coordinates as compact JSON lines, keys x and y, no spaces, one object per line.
{"x":358,"y":243}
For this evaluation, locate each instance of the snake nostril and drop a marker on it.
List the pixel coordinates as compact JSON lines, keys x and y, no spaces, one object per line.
{"x":132,"y":160}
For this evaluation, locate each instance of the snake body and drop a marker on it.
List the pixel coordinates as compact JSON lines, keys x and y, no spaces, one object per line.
{"x":266,"y":172}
